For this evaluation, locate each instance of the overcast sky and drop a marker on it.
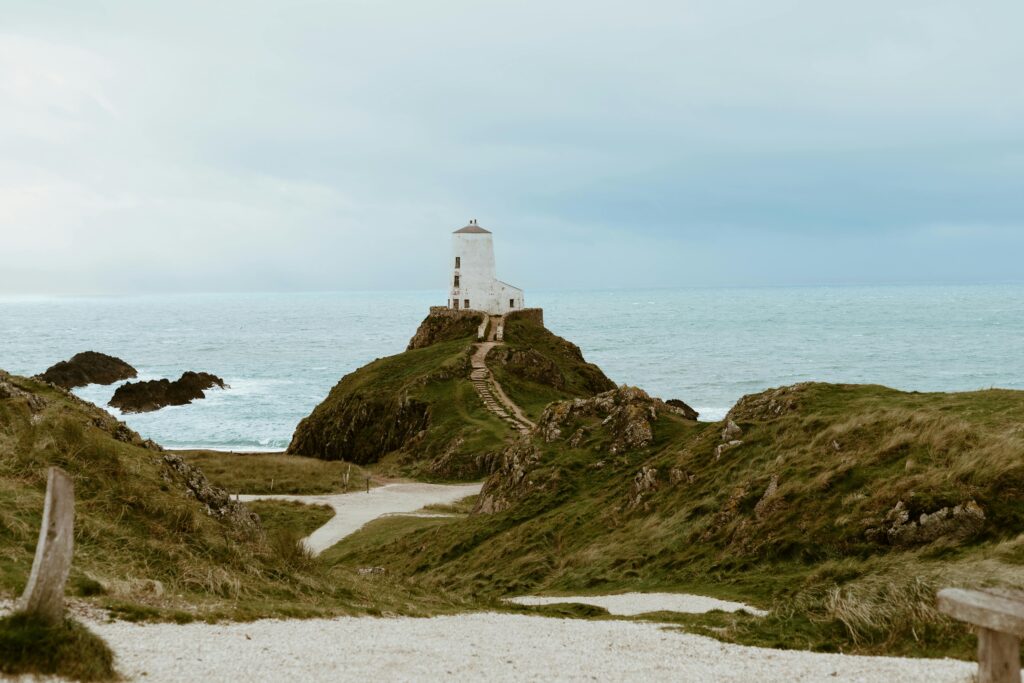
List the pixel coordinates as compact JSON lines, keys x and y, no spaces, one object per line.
{"x":252,"y":146}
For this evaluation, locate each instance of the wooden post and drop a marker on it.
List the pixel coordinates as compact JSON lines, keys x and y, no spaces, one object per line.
{"x":998,"y":656}
{"x":44,"y":593}
{"x":999,"y":617}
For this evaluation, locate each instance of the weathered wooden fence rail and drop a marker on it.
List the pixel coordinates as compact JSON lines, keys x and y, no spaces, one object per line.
{"x":44,"y":594}
{"x":999,"y":618}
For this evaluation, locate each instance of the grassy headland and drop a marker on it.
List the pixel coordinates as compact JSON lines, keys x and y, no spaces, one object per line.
{"x":840,"y":508}
{"x":418,"y":411}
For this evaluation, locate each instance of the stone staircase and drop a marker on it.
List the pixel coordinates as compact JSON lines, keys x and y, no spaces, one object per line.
{"x":487,"y":387}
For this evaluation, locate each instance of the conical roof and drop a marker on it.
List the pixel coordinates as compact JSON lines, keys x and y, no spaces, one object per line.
{"x":472,"y":229}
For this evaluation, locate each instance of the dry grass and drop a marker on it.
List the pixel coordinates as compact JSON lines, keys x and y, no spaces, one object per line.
{"x":144,"y":547}
{"x":276,"y":472}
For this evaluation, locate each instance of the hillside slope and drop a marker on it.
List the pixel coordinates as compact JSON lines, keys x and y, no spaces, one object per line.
{"x":420,"y":408}
{"x":152,"y":537}
{"x":842,"y":508}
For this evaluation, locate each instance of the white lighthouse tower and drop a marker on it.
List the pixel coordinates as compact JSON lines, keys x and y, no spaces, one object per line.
{"x":474,"y":285}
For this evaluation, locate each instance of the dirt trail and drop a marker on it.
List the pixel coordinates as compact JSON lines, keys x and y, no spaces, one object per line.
{"x":490,"y":390}
{"x":492,"y":647}
{"x":353,"y":510}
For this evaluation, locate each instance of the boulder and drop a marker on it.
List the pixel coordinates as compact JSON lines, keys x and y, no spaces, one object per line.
{"x":88,"y":367}
{"x":144,"y":397}
{"x":626,"y":414}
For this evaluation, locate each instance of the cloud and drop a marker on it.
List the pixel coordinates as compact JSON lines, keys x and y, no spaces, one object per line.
{"x":249,"y":146}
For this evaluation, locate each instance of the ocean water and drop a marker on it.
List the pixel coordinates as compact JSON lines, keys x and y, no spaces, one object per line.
{"x":282,"y":353}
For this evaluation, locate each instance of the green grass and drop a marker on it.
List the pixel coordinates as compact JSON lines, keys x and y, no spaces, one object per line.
{"x":288,"y":516}
{"x":67,"y":649}
{"x":144,"y":547}
{"x":416,"y":411}
{"x":560,"y":371}
{"x":276,"y":472}
{"x":360,"y":547}
{"x":843,"y":457}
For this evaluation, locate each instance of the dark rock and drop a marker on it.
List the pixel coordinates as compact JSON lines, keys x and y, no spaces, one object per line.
{"x":684,"y":410}
{"x":144,"y":397}
{"x":88,"y":367}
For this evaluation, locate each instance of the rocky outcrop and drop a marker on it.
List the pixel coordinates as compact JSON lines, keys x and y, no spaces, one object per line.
{"x":9,"y":390}
{"x":88,"y":367}
{"x":626,"y":414}
{"x":956,"y":523}
{"x":445,"y":324}
{"x":767,"y":405}
{"x":684,"y":410}
{"x":144,"y":397}
{"x":217,"y":501}
{"x":645,"y":482}
{"x":511,"y":479}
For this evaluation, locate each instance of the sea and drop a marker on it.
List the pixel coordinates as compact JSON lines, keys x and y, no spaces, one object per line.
{"x":282,"y":352}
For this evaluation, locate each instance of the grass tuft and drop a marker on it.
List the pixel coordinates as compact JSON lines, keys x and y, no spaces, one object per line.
{"x":68,"y":649}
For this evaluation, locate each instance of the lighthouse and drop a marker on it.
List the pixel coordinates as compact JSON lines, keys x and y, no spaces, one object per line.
{"x":474,"y":284}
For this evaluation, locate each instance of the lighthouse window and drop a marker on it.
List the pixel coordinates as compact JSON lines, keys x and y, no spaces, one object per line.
{"x":511,"y":303}
{"x":456,"y":281}
{"x":467,"y":303}
{"x":458,"y":261}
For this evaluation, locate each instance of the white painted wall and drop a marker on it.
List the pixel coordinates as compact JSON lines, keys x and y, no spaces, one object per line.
{"x":476,"y":274}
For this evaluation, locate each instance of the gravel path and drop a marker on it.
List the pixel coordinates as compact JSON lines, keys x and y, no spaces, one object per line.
{"x":493,"y":647}
{"x":353,"y":510}
{"x":630,"y":604}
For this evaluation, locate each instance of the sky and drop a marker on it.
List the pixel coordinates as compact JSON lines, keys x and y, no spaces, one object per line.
{"x":302,"y":146}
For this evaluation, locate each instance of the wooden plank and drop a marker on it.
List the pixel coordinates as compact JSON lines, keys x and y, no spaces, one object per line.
{"x":998,"y":657}
{"x":44,"y":594}
{"x":987,"y":610}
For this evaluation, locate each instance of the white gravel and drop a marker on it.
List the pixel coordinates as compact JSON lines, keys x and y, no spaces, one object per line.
{"x":630,"y":604}
{"x":493,"y":647}
{"x":353,"y":510}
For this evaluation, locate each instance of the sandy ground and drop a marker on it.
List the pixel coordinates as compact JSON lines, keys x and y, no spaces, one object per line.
{"x":353,"y":510}
{"x":493,"y":647}
{"x":630,"y":604}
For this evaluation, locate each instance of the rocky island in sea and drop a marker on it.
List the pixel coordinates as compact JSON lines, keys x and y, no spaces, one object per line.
{"x":144,"y":397}
{"x":88,"y":367}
